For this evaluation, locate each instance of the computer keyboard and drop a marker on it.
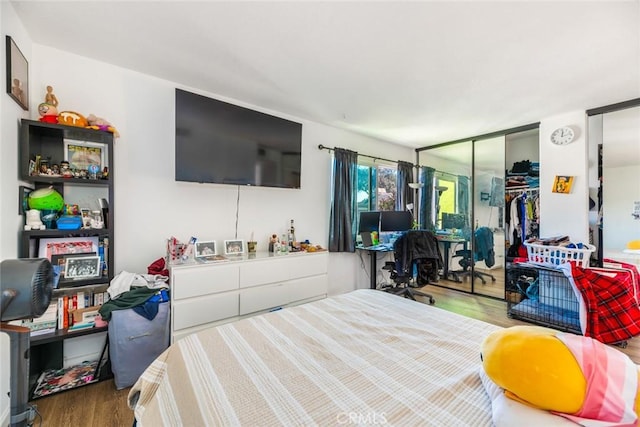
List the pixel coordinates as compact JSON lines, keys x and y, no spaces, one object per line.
{"x":381,"y":247}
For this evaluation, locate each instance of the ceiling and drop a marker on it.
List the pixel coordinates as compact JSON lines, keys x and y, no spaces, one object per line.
{"x":414,"y":73}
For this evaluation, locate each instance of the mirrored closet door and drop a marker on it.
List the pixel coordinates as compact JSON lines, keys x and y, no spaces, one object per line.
{"x":614,"y":181}
{"x":488,"y":214}
{"x":445,"y":207}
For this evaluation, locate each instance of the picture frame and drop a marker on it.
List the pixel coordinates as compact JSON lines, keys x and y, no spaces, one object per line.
{"x":47,"y":247}
{"x":234,"y":247}
{"x":562,"y":184}
{"x":58,"y":263}
{"x":84,"y":267}
{"x":86,"y":217}
{"x":81,"y":154}
{"x":205,"y":249}
{"x":23,"y":198}
{"x":17,"y":74}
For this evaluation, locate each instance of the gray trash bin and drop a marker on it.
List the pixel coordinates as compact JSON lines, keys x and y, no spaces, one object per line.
{"x":134,"y":342}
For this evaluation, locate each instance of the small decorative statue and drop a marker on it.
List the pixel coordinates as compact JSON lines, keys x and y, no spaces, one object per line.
{"x":50,"y":98}
{"x":33,"y":220}
{"x":48,"y":110}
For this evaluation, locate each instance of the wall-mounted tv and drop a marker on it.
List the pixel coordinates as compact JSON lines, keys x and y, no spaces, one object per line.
{"x":222,"y":143}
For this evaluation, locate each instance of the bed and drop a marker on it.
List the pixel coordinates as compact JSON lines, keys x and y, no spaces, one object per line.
{"x":365,"y":357}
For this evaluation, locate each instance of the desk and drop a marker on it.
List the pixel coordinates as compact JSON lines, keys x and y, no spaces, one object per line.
{"x":373,"y":262}
{"x":447,"y":241}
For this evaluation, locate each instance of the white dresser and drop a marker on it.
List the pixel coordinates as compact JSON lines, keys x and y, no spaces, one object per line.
{"x":207,"y":294}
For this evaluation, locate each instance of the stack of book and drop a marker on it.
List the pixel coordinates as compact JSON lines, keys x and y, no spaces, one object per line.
{"x":41,"y":325}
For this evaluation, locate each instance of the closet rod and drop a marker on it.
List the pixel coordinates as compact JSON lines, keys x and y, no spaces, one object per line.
{"x":521,"y":190}
{"x":322,"y":147}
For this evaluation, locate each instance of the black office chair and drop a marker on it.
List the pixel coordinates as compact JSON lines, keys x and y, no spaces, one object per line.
{"x":419,"y":250}
{"x":483,"y":251}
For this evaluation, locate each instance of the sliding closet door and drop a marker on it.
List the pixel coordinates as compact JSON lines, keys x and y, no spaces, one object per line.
{"x":488,"y":216}
{"x":446,"y":173}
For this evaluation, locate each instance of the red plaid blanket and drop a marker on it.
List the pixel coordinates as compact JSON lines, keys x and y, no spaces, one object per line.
{"x":613,"y":313}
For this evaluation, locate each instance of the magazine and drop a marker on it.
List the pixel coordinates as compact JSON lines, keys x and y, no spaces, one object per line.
{"x":55,"y":380}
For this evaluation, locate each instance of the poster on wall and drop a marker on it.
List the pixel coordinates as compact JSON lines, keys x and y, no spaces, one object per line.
{"x":562,"y":184}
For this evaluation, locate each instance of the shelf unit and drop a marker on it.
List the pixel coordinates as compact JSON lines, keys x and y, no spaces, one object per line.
{"x":51,"y":141}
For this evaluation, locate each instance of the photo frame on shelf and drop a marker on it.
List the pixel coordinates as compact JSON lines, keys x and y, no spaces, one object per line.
{"x":58,"y":262}
{"x":84,"y":267}
{"x":67,"y":245}
{"x":205,"y":249}
{"x":17,"y":74}
{"x":23,"y":199}
{"x":234,"y":247}
{"x":81,"y":154}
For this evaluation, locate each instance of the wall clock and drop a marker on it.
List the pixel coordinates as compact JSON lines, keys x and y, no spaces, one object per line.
{"x":563,"y":135}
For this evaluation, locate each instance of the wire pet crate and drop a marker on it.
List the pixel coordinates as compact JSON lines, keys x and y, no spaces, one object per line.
{"x":542,"y":296}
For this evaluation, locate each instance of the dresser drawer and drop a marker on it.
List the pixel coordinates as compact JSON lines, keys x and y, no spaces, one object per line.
{"x":264,"y":298}
{"x":202,"y":280}
{"x":256,"y":273}
{"x":204,"y":309}
{"x":307,"y":265}
{"x":307,"y":287}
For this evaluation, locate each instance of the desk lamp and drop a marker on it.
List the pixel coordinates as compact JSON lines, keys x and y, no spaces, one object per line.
{"x":26,"y":286}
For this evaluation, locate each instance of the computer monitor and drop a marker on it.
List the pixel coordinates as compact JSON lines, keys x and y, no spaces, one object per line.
{"x":451,"y":221}
{"x":396,"y":221}
{"x":369,"y":221}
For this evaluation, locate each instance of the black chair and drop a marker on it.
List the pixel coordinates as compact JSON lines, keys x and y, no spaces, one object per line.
{"x":415,"y":250}
{"x":483,"y":251}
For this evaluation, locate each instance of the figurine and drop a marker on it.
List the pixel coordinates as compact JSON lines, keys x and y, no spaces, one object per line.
{"x":33,"y":220}
{"x":50,"y":98}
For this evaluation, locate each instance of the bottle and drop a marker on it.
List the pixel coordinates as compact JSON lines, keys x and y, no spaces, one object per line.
{"x":292,"y":236}
{"x":284,"y":247}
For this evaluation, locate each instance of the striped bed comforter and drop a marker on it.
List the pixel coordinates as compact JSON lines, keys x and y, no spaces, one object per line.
{"x":365,"y":358}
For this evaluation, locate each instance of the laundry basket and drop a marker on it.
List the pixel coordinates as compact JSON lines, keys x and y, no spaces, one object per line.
{"x":556,"y":255}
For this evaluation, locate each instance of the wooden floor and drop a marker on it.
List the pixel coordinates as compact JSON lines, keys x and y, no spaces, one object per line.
{"x":101,"y":405}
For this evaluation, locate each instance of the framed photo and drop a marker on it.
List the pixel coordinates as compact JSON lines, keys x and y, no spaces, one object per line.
{"x":82,"y":267}
{"x":562,"y":184}
{"x":81,"y":154}
{"x":17,"y":74}
{"x":234,"y":247}
{"x":69,"y":245}
{"x":205,"y":249}
{"x":59,"y":262}
{"x":86,"y":217}
{"x":23,"y":199}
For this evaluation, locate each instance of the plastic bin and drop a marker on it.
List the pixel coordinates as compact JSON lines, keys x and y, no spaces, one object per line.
{"x":556,"y":255}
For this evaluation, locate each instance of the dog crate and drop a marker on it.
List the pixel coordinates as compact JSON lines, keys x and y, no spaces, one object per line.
{"x":542,"y":296}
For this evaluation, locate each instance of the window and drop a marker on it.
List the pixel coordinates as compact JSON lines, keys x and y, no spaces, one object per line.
{"x":377,"y":187}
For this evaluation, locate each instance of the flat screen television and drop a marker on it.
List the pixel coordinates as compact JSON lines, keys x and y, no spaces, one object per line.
{"x":222,"y":143}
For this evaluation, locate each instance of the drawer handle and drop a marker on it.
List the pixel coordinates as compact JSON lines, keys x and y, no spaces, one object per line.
{"x":133,"y":337}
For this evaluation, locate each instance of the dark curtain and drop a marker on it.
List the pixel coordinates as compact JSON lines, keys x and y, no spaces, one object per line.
{"x":426,"y":198}
{"x":404,"y":193}
{"x":344,"y":207}
{"x":463,"y":200}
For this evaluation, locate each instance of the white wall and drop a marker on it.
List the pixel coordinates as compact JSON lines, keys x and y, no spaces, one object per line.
{"x":151,"y":206}
{"x":565,"y":214}
{"x":10,"y":222}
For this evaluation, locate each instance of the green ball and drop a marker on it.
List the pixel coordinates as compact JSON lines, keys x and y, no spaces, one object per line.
{"x":46,"y":199}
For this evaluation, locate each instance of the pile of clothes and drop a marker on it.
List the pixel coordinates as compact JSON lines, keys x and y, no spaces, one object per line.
{"x":140,"y":292}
